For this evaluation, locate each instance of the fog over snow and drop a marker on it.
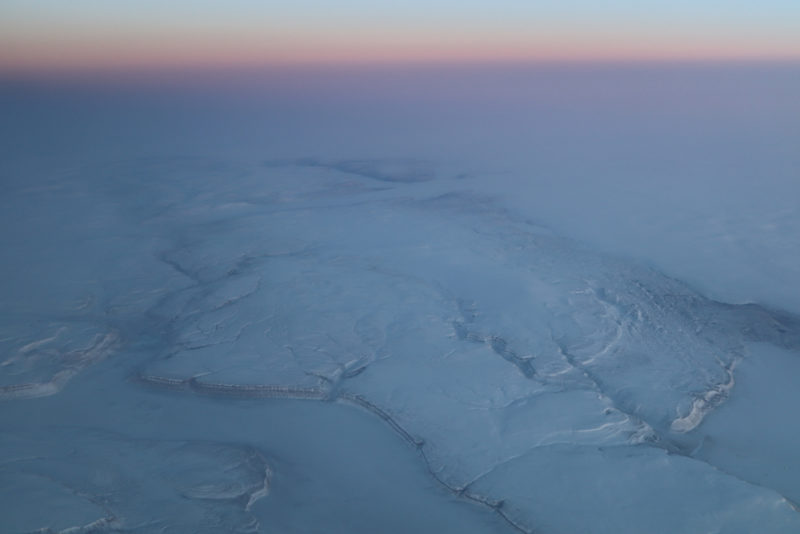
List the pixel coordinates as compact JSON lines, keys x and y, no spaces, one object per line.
{"x":550,"y":299}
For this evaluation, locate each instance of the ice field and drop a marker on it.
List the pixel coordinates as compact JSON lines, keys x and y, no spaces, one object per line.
{"x":516,"y":311}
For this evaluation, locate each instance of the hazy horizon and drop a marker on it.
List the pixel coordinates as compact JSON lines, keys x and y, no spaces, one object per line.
{"x":50,"y":35}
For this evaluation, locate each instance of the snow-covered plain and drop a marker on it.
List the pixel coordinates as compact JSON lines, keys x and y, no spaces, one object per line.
{"x":559,"y":301}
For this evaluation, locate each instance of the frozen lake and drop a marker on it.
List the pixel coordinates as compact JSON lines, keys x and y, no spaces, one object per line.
{"x":551,"y":299}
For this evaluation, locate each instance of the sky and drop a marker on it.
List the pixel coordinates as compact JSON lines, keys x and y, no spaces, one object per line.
{"x":53,"y":34}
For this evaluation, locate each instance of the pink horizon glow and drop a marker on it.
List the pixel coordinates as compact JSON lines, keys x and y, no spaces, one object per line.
{"x":159,"y":52}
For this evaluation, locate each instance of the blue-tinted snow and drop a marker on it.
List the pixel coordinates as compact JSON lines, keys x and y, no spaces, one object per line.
{"x":548,"y":302}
